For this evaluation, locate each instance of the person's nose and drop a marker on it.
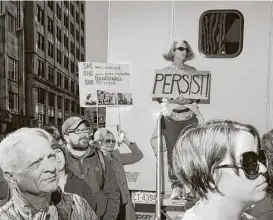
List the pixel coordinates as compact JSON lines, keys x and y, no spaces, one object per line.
{"x":50,"y":166}
{"x":262,"y":168}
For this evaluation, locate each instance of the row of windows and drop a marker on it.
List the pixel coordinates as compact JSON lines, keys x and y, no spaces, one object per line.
{"x":61,"y":81}
{"x":68,"y":104}
{"x":41,"y":17}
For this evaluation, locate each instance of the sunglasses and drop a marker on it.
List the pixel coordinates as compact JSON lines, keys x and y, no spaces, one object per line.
{"x":182,"y":49}
{"x":108,"y":141}
{"x":249,"y":163}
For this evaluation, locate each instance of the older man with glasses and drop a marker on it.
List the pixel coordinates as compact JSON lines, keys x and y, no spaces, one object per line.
{"x":85,"y":161}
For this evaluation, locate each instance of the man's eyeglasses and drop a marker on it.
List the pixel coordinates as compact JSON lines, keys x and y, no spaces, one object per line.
{"x":249,"y":163}
{"x":182,"y":49}
{"x":79,"y":131}
{"x":108,"y":141}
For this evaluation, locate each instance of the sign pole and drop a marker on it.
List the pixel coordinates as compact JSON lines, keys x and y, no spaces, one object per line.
{"x":159,"y":167}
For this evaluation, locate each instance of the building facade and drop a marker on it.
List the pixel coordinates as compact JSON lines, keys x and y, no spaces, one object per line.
{"x":54,"y":44}
{"x":12,"y":76}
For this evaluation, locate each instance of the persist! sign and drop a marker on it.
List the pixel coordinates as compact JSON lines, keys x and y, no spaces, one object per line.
{"x":192,"y":84}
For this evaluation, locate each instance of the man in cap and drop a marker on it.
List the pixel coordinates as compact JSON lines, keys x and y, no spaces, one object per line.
{"x":29,"y":166}
{"x":85,"y":161}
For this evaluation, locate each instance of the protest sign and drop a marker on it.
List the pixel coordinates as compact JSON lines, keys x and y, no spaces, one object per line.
{"x":191,"y":84}
{"x":104,"y":84}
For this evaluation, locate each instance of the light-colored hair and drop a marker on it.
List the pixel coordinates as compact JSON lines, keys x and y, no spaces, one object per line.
{"x":12,"y":145}
{"x":100,"y":135}
{"x":169,"y":56}
{"x":199,"y":150}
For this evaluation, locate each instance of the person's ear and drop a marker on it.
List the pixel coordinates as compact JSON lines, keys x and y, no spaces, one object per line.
{"x":10,"y":179}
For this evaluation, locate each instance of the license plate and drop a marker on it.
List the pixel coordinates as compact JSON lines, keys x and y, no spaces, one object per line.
{"x":144,"y":197}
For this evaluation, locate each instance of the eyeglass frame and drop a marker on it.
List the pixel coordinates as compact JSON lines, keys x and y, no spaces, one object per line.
{"x":81,"y":130}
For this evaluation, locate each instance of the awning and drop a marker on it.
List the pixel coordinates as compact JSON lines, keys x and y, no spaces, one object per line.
{"x":5,"y":115}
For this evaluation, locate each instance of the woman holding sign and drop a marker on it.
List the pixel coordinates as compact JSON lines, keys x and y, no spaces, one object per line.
{"x":178,"y":113}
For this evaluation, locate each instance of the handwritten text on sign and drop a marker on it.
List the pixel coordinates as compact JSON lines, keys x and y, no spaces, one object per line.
{"x":105,"y":74}
{"x":191,"y":84}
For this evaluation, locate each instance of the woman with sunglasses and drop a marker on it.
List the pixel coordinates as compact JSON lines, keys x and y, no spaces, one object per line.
{"x":106,"y":142}
{"x":223,"y":164}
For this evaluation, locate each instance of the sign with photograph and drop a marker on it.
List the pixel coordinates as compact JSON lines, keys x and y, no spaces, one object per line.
{"x":192,"y":84}
{"x":104,"y":84}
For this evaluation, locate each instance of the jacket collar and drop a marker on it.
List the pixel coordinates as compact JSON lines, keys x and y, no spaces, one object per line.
{"x":63,"y":203}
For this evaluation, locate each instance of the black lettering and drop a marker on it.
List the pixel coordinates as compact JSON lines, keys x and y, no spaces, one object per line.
{"x":198,"y":86}
{"x":183,"y":77}
{"x":207,"y":89}
{"x":202,"y":80}
{"x":190,"y":85}
{"x":177,"y":82}
{"x":157,"y":79}
{"x":166,"y":84}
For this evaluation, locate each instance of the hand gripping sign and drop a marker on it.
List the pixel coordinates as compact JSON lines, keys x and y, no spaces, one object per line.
{"x":192,"y":84}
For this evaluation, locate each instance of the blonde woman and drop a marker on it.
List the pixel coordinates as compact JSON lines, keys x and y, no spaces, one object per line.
{"x":106,"y":142}
{"x":224,"y":166}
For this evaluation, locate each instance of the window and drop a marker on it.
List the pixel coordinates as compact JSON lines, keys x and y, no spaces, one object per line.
{"x":77,"y":89}
{"x":41,"y":41}
{"x":41,"y":96}
{"x":77,"y":53}
{"x":72,"y":67}
{"x":59,"y":34}
{"x":50,"y":49}
{"x":221,"y":33}
{"x":82,"y":41}
{"x":72,"y":29}
{"x":59,"y":56}
{"x":51,"y":99}
{"x":77,"y":71}
{"x":72,"y":86}
{"x":66,"y":62}
{"x":50,"y":4}
{"x":77,"y":35}
{"x":65,"y":41}
{"x":41,"y":68}
{"x":72,"y":47}
{"x":60,"y":102}
{"x":77,"y":17}
{"x":40,"y":15}
{"x":73,"y":106}
{"x":66,"y":4}
{"x":82,"y":7}
{"x":59,"y":12}
{"x":66,"y":21}
{"x":66,"y":104}
{"x":59,"y":79}
{"x":13,"y":101}
{"x":82,"y":24}
{"x":82,"y":57}
{"x":71,"y":9}
{"x":51,"y":74}
{"x":66,"y":83}
{"x":50,"y":25}
{"x":11,"y":23}
{"x":12,"y":69}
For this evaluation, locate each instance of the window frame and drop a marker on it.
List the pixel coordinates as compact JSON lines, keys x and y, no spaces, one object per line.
{"x":241,"y":40}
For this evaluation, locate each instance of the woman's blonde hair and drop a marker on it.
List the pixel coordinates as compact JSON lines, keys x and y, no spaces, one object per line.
{"x":169,"y":56}
{"x":100,"y":135}
{"x":201,"y":149}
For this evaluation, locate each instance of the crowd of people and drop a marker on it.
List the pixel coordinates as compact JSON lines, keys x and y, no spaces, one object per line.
{"x":221,"y":168}
{"x":47,"y":174}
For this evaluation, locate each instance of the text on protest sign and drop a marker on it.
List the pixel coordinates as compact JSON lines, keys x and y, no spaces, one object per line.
{"x":104,"y":84}
{"x":192,"y":84}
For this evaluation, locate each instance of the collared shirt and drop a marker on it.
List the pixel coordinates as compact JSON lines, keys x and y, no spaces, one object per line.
{"x":65,"y":206}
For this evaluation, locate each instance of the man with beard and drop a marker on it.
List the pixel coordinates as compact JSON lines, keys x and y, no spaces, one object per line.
{"x":85,"y":161}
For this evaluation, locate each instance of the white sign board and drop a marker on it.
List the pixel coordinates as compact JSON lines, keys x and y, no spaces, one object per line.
{"x":104,"y":84}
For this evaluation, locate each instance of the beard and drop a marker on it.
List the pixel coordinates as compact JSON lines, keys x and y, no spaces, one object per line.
{"x":82,"y":145}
